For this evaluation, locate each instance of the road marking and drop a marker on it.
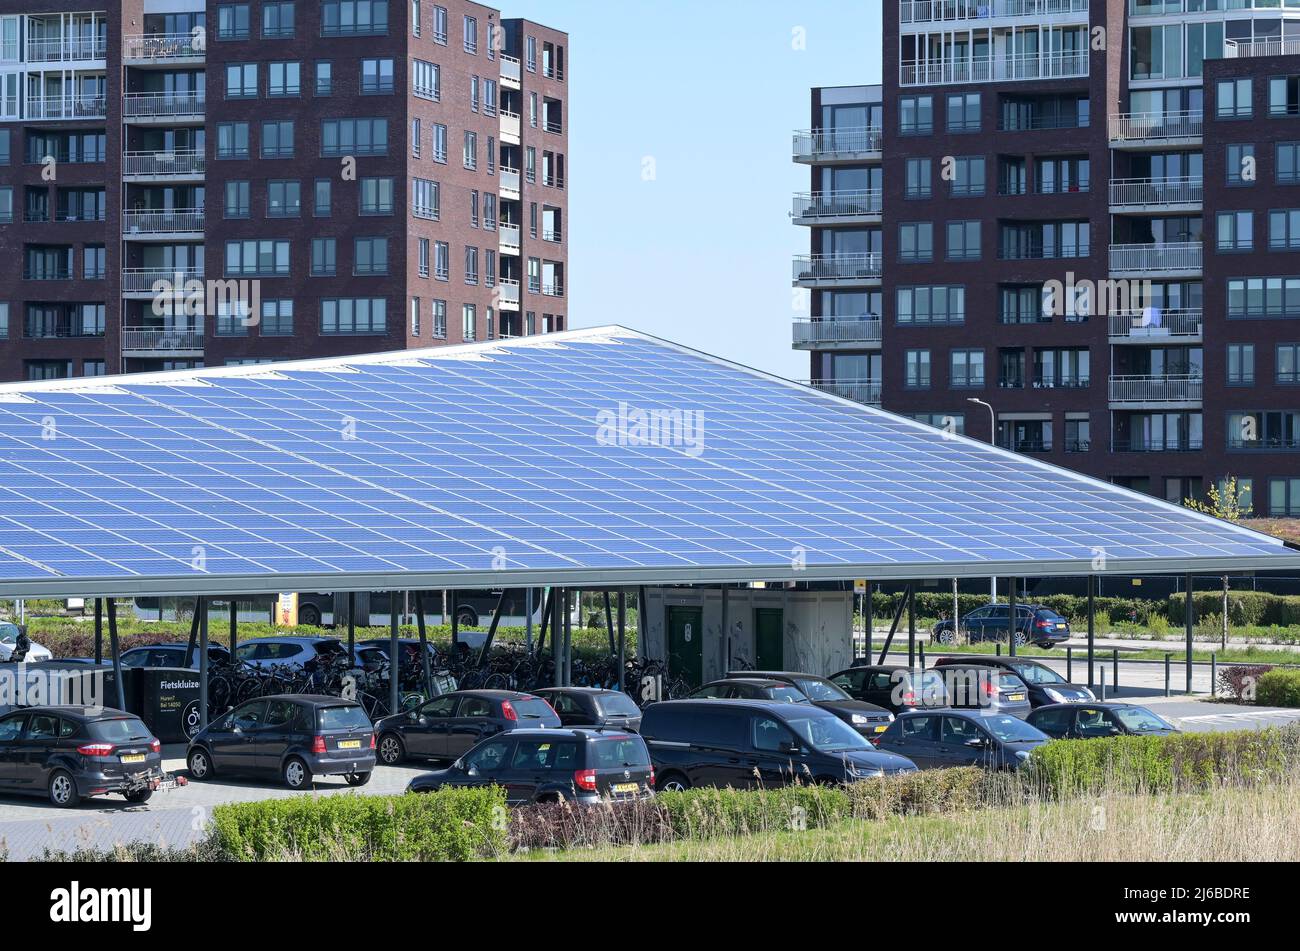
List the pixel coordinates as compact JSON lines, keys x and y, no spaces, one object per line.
{"x":1238,"y":717}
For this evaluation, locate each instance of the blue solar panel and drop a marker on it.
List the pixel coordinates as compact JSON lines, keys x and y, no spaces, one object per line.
{"x":432,"y":469}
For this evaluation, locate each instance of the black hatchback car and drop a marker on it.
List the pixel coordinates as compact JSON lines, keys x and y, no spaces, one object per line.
{"x":447,"y":727}
{"x":593,"y":706}
{"x":293,"y":736}
{"x":571,"y":765}
{"x":749,"y":688}
{"x":1044,"y":685}
{"x":867,"y":718}
{"x":892,"y":686}
{"x":749,"y":743}
{"x":67,"y":753}
{"x":1085,"y":721}
{"x":1034,"y":624}
{"x":939,"y":738}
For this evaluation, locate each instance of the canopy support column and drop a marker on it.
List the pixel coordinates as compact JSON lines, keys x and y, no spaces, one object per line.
{"x":911,"y":626}
{"x":1092,"y":626}
{"x":893,"y":627}
{"x":350,"y":602}
{"x":194,"y":633}
{"x":568,"y":637}
{"x":394,"y":657}
{"x":201,"y":609}
{"x":117,"y":656}
{"x":609,"y":623}
{"x":868,"y":618}
{"x":234,"y":626}
{"x":455,"y":624}
{"x":1013,"y":622}
{"x":492,"y":628}
{"x":424,"y":643}
{"x":1190,"y":619}
{"x":99,"y":629}
{"x":548,"y":608}
{"x":557,"y":607}
{"x":622,"y":638}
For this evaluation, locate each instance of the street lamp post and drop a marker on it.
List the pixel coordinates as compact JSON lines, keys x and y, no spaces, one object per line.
{"x":993,"y":435}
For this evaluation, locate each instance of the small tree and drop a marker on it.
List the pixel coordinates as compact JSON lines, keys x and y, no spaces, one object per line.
{"x":1229,"y":505}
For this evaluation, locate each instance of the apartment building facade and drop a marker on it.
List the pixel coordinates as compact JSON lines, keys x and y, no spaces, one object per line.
{"x":187,"y":184}
{"x":1085,"y":249}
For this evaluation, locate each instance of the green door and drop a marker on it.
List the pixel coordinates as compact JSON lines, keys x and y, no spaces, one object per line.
{"x":769,"y":638}
{"x":686,"y":644}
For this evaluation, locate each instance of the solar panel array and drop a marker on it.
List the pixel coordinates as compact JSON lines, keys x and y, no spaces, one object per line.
{"x":530,"y":456}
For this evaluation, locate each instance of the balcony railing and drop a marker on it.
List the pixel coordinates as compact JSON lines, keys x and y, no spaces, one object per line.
{"x":1152,"y":191}
{"x":509,"y":238}
{"x":1156,"y":258}
{"x":162,"y":163}
{"x":821,"y":145}
{"x":1026,"y":445}
{"x":860,"y":391}
{"x":42,"y":329}
{"x":508,"y":289}
{"x":847,"y":268}
{"x":161,"y":340}
{"x":179,"y":221}
{"x":67,"y":49}
{"x":1240,"y":49}
{"x":67,"y":107}
{"x":942,"y":11}
{"x":510,"y":123}
{"x":160,"y":47}
{"x":837,"y":204}
{"x":141,"y":280}
{"x":1157,"y":323}
{"x":1046,"y":66}
{"x":162,"y":104}
{"x":553,"y":288}
{"x":825,"y":330}
{"x":1177,"y":388}
{"x":509,"y":182}
{"x":1143,"y":126}
{"x":511,"y":72}
{"x":1155,"y":445}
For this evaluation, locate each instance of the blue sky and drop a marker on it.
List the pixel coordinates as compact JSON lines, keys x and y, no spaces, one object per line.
{"x":709,"y":91}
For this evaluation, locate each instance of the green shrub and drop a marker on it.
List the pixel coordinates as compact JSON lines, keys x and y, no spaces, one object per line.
{"x":447,"y":825}
{"x":1279,"y":688}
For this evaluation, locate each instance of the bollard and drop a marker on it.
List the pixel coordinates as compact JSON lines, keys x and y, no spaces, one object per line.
{"x":1167,"y":656}
{"x":1069,"y":664}
{"x":1102,"y":671}
{"x":921,"y":653}
{"x":1214,"y":675}
{"x":997,"y":648}
{"x":1114,"y":659}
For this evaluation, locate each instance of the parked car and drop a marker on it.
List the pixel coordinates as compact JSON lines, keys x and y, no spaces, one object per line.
{"x":305,"y":652}
{"x":1081,"y":721}
{"x":593,"y":706}
{"x":867,"y":718}
{"x":1035,"y":623}
{"x":973,"y":685}
{"x":170,"y":655}
{"x":747,"y":743}
{"x":749,"y":688}
{"x":937,"y":738}
{"x":573,"y":765}
{"x":294,"y":736}
{"x":448,"y":727}
{"x":1044,"y":684}
{"x":892,"y":686}
{"x":9,"y":640}
{"x":68,"y":753}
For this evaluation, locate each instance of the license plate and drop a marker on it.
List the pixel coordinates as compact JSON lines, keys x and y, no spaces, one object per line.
{"x":626,"y":787}
{"x":882,"y":728}
{"x":1060,"y":626}
{"x":349,"y":744}
{"x":131,"y":758}
{"x":1016,"y":696}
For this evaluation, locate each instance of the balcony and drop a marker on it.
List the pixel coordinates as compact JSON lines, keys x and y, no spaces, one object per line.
{"x":832,"y":146}
{"x":1156,"y":130}
{"x":179,"y":224}
{"x":1184,"y":388}
{"x":157,"y":341}
{"x":78,"y":106}
{"x":139,"y":282}
{"x":860,"y":391}
{"x":162,"y":49}
{"x":1002,"y":69}
{"x":509,"y":239}
{"x":73,"y":49}
{"x":1181,"y":259}
{"x":163,"y":166}
{"x":508,"y":183}
{"x":507,"y":293}
{"x":830,"y":270}
{"x":1155,"y":445}
{"x":836,"y":333}
{"x":159,"y":106}
{"x":947,"y":11}
{"x":510,"y":127}
{"x":552,"y":288}
{"x":60,"y":328}
{"x":1154,"y":326}
{"x":1156,"y":195}
{"x":511,"y":72}
{"x":838,"y":207}
{"x":1241,"y":49}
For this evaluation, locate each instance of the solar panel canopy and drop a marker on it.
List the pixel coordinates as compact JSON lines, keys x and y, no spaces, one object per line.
{"x":601,"y":456}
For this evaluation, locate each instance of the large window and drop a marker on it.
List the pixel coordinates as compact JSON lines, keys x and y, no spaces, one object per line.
{"x":1235,"y":230}
{"x":277,"y":139}
{"x":241,"y":81}
{"x":354,"y":315}
{"x":370,"y":257}
{"x":1232,"y":98}
{"x":966,"y":369}
{"x":376,"y":196}
{"x":257,"y":258}
{"x":283,"y":79}
{"x":376,"y":77}
{"x":1241,"y":164}
{"x":1264,"y":297}
{"x":425,"y":199}
{"x":916,"y":241}
{"x":917,"y":183}
{"x":935,"y":304}
{"x":1284,"y":229}
{"x":915,"y":115}
{"x":353,"y":17}
{"x":1284,"y":96}
{"x":426,"y":80}
{"x":277,"y":19}
{"x":233,"y":21}
{"x":917,"y":366}
{"x":963,"y":241}
{"x":964,"y":112}
{"x":354,"y":137}
{"x":283,"y":199}
{"x":968,"y":176}
{"x":232,"y":140}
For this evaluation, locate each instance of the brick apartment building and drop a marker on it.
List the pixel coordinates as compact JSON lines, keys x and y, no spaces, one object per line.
{"x":1017,"y":143}
{"x":389,"y":173}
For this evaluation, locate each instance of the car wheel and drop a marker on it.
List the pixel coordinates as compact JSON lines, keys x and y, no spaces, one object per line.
{"x":391,"y":749}
{"x":947,"y":636}
{"x":673,"y":782}
{"x":200,"y":764}
{"x":309,"y":615}
{"x":356,"y":779}
{"x":139,"y":795}
{"x":466,"y":617}
{"x":63,"y":789}
{"x":296,"y":774}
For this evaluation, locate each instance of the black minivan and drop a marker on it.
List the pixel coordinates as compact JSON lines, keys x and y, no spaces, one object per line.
{"x":748,"y":743}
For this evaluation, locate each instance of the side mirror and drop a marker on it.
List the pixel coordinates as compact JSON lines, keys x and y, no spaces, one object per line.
{"x":790,"y":748}
{"x":236,"y":728}
{"x":472,"y":771}
{"x":976,"y":744}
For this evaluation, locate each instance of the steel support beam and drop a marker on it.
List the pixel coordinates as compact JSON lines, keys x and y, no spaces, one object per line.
{"x":911,"y":627}
{"x":557,"y":607}
{"x":99,"y":629}
{"x":117,"y":656}
{"x":201,"y":609}
{"x":234,"y":626}
{"x":1013,"y":622}
{"x":622,"y":638}
{"x":1092,"y":627}
{"x":893,"y":627}
{"x":609,"y":623}
{"x":424,"y":643}
{"x":1190,"y":619}
{"x":394,"y":655}
{"x":194,"y":634}
{"x":492,"y":628}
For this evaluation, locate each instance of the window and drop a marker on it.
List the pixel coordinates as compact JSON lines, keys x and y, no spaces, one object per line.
{"x":966,"y":369}
{"x":964,"y":112}
{"x":376,"y":196}
{"x":277,"y":318}
{"x":233,"y":319}
{"x":417,"y":138}
{"x":468,"y":322}
{"x":1232,"y":98}
{"x":6,"y":146}
{"x":916,"y":115}
{"x":1270,"y":430}
{"x":241,"y":81}
{"x":354,"y":137}
{"x":232,"y":140}
{"x":6,"y":204}
{"x":370,"y":256}
{"x":1235,"y":230}
{"x":354,"y":315}
{"x":376,"y":77}
{"x":91,"y":368}
{"x":441,"y":260}
{"x":258,"y":257}
{"x":471,"y":34}
{"x":324,"y":78}
{"x":1284,"y":96}
{"x":233,"y":21}
{"x":963,"y":241}
{"x":324,"y":257}
{"x":530,"y":58}
{"x":918,"y":178}
{"x":425,"y":199}
{"x":277,"y":139}
{"x":1264,"y":297}
{"x":473,"y":208}
{"x":968,"y":176}
{"x":471,"y":265}
{"x":469,"y":155}
{"x":489,"y":268}
{"x":353,"y":17}
{"x":93,"y":262}
{"x":283,"y":199}
{"x":1284,"y":229}
{"x":440,"y":143}
{"x":1058,"y":176}
{"x":1241,"y":364}
{"x":415,"y":316}
{"x":440,"y":25}
{"x":423,"y":254}
{"x":282,"y":79}
{"x":918,"y":369}
{"x":1284,"y":496}
{"x":439,"y":328}
{"x":1288,"y":163}
{"x":1241,"y":165}
{"x":277,"y":19}
{"x":935,"y":304}
{"x":473,"y":94}
{"x":415,"y":17}
{"x":1288,"y":363}
{"x":323,"y":201}
{"x":916,"y":241}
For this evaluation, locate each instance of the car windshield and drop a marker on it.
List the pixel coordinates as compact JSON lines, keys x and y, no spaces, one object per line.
{"x":119,"y":730}
{"x":786,"y":695}
{"x":1141,"y":720}
{"x":343,"y":718}
{"x":1010,"y":729}
{"x":1036,"y":674}
{"x":816,"y":688}
{"x":617,"y":705}
{"x":534,"y":709}
{"x":8,"y":633}
{"x":617,"y":752}
{"x":828,"y":734}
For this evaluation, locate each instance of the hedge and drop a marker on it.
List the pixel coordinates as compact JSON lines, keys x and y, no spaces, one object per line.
{"x":447,"y":825}
{"x":1279,"y":688}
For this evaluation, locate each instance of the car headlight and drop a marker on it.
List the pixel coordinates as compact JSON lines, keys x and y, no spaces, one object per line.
{"x":1022,"y":754}
{"x":1055,"y":695}
{"x":860,"y":720}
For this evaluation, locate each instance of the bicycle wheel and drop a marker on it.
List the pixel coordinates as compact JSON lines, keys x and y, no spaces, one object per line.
{"x":251,"y":687}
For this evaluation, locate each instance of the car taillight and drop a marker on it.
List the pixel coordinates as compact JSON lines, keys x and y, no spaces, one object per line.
{"x":585,"y":779}
{"x":990,"y":688}
{"x":909,"y":699}
{"x":156,"y":745}
{"x":96,"y":749}
{"x":372,"y":741}
{"x":652,"y":776}
{"x":1044,"y":623}
{"x":318,"y":744}
{"x":508,"y":711}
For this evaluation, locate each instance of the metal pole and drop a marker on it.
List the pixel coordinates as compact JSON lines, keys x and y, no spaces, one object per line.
{"x":394,"y":658}
{"x":1168,"y":654}
{"x":99,"y":629}
{"x":1102,"y":671}
{"x":194,"y":634}
{"x":117,"y":656}
{"x":956,"y":613}
{"x":424,"y":642}
{"x":622,"y":638}
{"x":455,"y":624}
{"x":1069,"y":664}
{"x":557,"y":608}
{"x":893,"y":627}
{"x":1013,"y":622}
{"x":548,"y":609}
{"x":1214,"y":675}
{"x":1114,"y":663}
{"x":234,"y":625}
{"x":352,"y":627}
{"x":911,"y":626}
{"x":201,"y":607}
{"x":1092,"y":625}
{"x":528,"y":619}
{"x":492,"y":628}
{"x":726,"y":634}
{"x":609,"y":624}
{"x":568,"y":636}
{"x":1190,"y":621}
{"x":869,"y":616}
